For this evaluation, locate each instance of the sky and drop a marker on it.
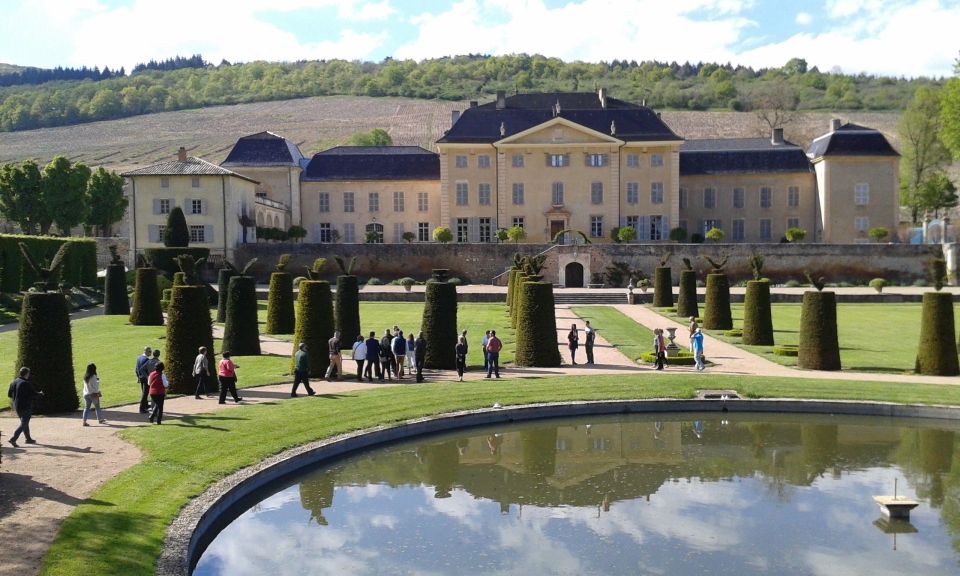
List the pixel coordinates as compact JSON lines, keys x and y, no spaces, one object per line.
{"x":885,"y":37}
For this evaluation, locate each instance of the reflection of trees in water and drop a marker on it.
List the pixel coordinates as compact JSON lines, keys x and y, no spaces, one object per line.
{"x":443,"y":462}
{"x":926,"y":456}
{"x":539,"y":448}
{"x":820,"y":446}
{"x":316,"y":493}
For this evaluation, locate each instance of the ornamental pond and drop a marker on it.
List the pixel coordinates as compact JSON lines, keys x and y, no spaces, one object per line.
{"x":675,"y":494}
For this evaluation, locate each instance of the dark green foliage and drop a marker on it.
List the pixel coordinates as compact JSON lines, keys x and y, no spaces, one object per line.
{"x":937,"y":354}
{"x":46,"y":348}
{"x":115,"y":300}
{"x":662,"y":287}
{"x":223,"y":282}
{"x":314,"y":324}
{"x":176,"y":234}
{"x":347,"y":309}
{"x":687,"y":297}
{"x":819,"y":345}
{"x":146,"y":299}
{"x":79,"y":267}
{"x":241,"y":334}
{"x":164,"y":259}
{"x":280,"y":314}
{"x":178,"y":279}
{"x":511,"y":281}
{"x":517,"y":296}
{"x":537,"y":327}
{"x":716,"y":314}
{"x":757,"y":320}
{"x":47,"y":274}
{"x":188,"y":328}
{"x":439,"y":325}
{"x":938,"y":273}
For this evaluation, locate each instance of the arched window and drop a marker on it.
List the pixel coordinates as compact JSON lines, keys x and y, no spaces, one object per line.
{"x":378,"y":230}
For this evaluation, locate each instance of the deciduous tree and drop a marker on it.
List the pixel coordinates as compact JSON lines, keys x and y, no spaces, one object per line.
{"x":105,"y":200}
{"x":64,"y":195}
{"x":21,"y":197}
{"x":923,"y":154}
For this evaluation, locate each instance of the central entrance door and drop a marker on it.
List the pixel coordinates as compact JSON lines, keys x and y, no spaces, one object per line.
{"x":555,"y":227}
{"x":573,"y":275}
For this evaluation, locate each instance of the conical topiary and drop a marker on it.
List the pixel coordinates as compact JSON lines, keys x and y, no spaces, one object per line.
{"x":687,"y":296}
{"x":439,"y":325}
{"x":537,"y":327}
{"x":280,"y":314}
{"x":757,"y":318}
{"x":223,"y":283}
{"x":45,"y":346}
{"x":511,"y":280}
{"x":347,"y":309}
{"x":314,"y":324}
{"x":176,"y":234}
{"x":937,"y":353}
{"x":716,"y":315}
{"x":517,"y":295}
{"x":189,"y":327}
{"x":662,"y":287}
{"x":819,"y":347}
{"x":116,"y":302}
{"x":146,"y":299}
{"x":241,"y":333}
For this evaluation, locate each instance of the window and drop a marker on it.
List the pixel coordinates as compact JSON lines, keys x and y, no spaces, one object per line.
{"x":196,"y":206}
{"x":398,"y":202}
{"x":463,"y":193}
{"x":634,"y":222}
{"x":738,"y":194}
{"x":709,"y":198}
{"x":397,"y":232}
{"x":376,"y":229}
{"x":461,"y":161}
{"x":161,"y":230}
{"x":766,"y":197}
{"x":423,"y":231}
{"x":709,"y":224}
{"x":793,"y":222}
{"x":326,"y":233}
{"x":197,"y":234}
{"x":738,"y":230}
{"x":656,"y":192}
{"x":517,"y":161}
{"x":596,"y":193}
{"x":656,"y":227}
{"x":483,"y":161}
{"x":558,"y":160}
{"x":596,"y":226}
{"x":374,"y":202}
{"x":195,"y":182}
{"x":683,"y":199}
{"x":164,"y":182}
{"x":165,"y":206}
{"x":793,"y":196}
{"x":597,"y":160}
{"x":518,"y":193}
{"x":349,"y":232}
{"x":463,"y":227}
{"x":483,"y":194}
{"x":518,"y":221}
{"x":861,"y":194}
{"x":765,"y":229}
{"x":861,"y":223}
{"x":423,"y":201}
{"x":633,"y":193}
{"x":486,"y":230}
{"x":633,"y":161}
{"x":557,"y":195}
{"x":656,"y":160}
{"x":323,"y":199}
{"x":348,"y":201}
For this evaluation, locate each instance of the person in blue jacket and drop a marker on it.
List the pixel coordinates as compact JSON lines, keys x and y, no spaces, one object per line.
{"x":697,"y":344}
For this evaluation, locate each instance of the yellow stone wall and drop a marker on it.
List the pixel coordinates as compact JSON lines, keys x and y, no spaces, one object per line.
{"x":837,"y":178}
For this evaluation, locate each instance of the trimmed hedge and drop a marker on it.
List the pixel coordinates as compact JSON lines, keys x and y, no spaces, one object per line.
{"x":146,"y":299}
{"x":176,"y":233}
{"x":116,"y":302}
{"x":189,"y":327}
{"x":314,"y":324}
{"x":537,"y":327}
{"x":347,"y":310}
{"x":163,"y":258}
{"x":757,"y":319}
{"x":280,"y":314}
{"x":46,"y":347}
{"x":439,"y":325}
{"x":662,"y":287}
{"x":786,"y":350}
{"x":937,"y":353}
{"x":716,"y":315}
{"x":819,"y":348}
{"x":79,"y":269}
{"x":517,"y":296}
{"x":223,"y":283}
{"x":682,"y":358}
{"x":241,"y":333}
{"x":687,"y":298}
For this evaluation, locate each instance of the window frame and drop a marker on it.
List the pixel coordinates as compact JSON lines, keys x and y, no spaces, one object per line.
{"x":323,"y":202}
{"x":373,"y":202}
{"x":765,"y":197}
{"x":861,"y":194}
{"x":483,"y":194}
{"x":656,"y":192}
{"x":460,"y":161}
{"x":518,"y":194}
{"x":462,"y":188}
{"x":349,"y":202}
{"x":596,"y":193}
{"x":596,"y":226}
{"x":556,"y":192}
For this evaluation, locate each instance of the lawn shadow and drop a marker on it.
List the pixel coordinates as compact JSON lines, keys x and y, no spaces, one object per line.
{"x":17,"y":489}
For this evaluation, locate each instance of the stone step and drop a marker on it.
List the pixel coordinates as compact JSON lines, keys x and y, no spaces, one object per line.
{"x":596,"y":298}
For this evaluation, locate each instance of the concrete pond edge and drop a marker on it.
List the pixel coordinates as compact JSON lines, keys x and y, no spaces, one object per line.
{"x":202,"y":519}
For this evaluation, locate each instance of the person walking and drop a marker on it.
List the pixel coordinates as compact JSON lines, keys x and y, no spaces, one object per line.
{"x":158,"y":392}
{"x":142,"y":374}
{"x":461,"y":353}
{"x":589,"y":336}
{"x":227,"y":373}
{"x":696,"y":342}
{"x":399,"y":348}
{"x":411,"y":352}
{"x":201,"y":371}
{"x":573,"y":342}
{"x":301,"y":370}
{"x":494,"y":345}
{"x":386,"y":355}
{"x":421,"y":355}
{"x":359,"y":355}
{"x":483,"y":348}
{"x":91,"y":394}
{"x":692,"y":327}
{"x":373,"y":358}
{"x":22,"y":394}
{"x":336,"y":360}
{"x":659,"y":349}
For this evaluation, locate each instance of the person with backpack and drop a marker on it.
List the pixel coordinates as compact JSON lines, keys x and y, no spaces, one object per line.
{"x":494,"y":345}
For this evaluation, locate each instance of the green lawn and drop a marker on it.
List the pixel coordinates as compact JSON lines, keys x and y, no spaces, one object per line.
{"x":627,"y":336}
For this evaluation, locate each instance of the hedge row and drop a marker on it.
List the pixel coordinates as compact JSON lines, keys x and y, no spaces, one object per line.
{"x":80,"y":268}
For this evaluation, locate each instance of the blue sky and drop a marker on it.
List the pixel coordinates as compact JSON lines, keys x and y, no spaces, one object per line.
{"x":893,"y":37}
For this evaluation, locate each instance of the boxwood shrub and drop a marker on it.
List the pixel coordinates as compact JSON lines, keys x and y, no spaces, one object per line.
{"x":314,"y":324}
{"x":662,"y":287}
{"x":280,"y":314}
{"x":819,"y":348}
{"x":146,"y":299}
{"x":189,"y":327}
{"x":937,"y":353}
{"x":716,"y":314}
{"x":223,"y":283}
{"x":45,"y":346}
{"x":241,"y":333}
{"x":115,"y":299}
{"x":347,"y":310}
{"x":757,"y":318}
{"x":439,"y":325}
{"x":687,"y":297}
{"x":537,"y":327}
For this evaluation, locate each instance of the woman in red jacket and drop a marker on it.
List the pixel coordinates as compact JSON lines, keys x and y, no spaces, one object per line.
{"x":158,"y":384}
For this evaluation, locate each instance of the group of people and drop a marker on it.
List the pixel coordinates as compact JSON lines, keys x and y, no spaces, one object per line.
{"x":696,"y":346}
{"x":491,"y":346}
{"x":573,"y":342}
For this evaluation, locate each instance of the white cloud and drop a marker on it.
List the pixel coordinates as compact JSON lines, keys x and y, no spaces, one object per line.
{"x":803,"y":18}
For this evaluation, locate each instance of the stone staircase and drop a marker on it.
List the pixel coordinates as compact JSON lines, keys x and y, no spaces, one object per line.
{"x":578,"y":298}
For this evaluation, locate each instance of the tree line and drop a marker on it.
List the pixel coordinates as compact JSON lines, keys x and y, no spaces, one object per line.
{"x":62,"y":194}
{"x":699,"y":86}
{"x":33,"y":76}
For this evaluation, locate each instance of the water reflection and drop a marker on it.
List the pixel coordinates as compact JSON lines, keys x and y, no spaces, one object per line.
{"x":680,"y":495}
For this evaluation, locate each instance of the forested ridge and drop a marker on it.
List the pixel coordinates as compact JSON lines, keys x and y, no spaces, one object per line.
{"x":702,"y":86}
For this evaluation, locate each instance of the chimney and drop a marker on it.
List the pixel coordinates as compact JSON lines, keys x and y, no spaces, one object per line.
{"x":454,"y":116}
{"x":473,"y":103}
{"x":602,"y":94}
{"x":835,"y":124}
{"x":501,"y":99}
{"x":182,"y":154}
{"x":777,"y":137}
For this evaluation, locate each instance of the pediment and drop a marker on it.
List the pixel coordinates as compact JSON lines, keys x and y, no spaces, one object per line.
{"x":559,"y":131}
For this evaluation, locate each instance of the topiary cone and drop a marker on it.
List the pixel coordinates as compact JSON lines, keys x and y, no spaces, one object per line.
{"x":223,"y":283}
{"x":537,"y":322}
{"x":280,"y":314}
{"x":716,"y":315}
{"x":439,"y":325}
{"x":819,"y":347}
{"x":314,"y":324}
{"x":115,"y":299}
{"x":757,"y":319}
{"x":687,"y":297}
{"x":662,"y":287}
{"x":517,"y":295}
{"x":46,"y":348}
{"x":511,"y":280}
{"x":937,"y":353}
{"x":241,"y":333}
{"x":347,"y":310}
{"x":146,"y":299}
{"x":189,"y":327}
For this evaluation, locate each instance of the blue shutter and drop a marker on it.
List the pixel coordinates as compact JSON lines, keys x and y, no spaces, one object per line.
{"x":156,"y":207}
{"x":153,"y":232}
{"x":208,"y":234}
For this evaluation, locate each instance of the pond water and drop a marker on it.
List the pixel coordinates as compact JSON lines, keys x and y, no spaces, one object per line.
{"x":642,"y":494}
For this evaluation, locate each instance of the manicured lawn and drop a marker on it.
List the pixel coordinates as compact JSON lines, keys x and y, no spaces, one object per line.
{"x":623,"y":333}
{"x":120,"y":529}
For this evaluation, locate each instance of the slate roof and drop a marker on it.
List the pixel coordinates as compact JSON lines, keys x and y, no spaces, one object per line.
{"x":851,"y":140}
{"x":373,"y":163}
{"x":740,"y":156}
{"x":524,"y":111}
{"x":263,"y":149}
{"x":190,"y":167}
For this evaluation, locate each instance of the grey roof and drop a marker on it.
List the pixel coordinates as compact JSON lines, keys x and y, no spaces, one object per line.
{"x":851,"y":140}
{"x":373,"y":163}
{"x":263,"y":149}
{"x":740,"y":156}
{"x":189,"y":167}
